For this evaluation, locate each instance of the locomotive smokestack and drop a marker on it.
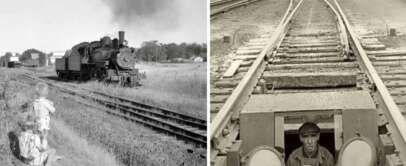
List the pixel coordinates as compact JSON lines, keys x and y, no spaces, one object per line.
{"x":120,"y":38}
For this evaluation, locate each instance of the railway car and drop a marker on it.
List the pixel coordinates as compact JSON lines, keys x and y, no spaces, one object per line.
{"x":109,"y":60}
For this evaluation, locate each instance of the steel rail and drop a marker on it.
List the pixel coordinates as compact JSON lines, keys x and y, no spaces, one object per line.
{"x":242,"y":92}
{"x":230,"y":6}
{"x":150,"y":121}
{"x":393,"y":110}
{"x":342,"y":30}
{"x":157,"y":110}
{"x":147,"y":109}
{"x":221,"y":2}
{"x":164,"y":111}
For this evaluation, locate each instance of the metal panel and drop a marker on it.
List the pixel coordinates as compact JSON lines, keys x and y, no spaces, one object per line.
{"x":60,"y":64}
{"x":280,"y":132}
{"x":257,"y":129}
{"x":233,"y":154}
{"x":360,"y":122}
{"x":74,"y":62}
{"x":338,"y":131}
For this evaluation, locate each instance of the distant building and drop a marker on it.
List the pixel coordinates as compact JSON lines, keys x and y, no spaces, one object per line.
{"x":56,"y":55}
{"x":198,"y":59}
{"x":14,"y":58}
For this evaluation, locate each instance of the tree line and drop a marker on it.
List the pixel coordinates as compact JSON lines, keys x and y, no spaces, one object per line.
{"x":171,"y":52}
{"x":149,"y":51}
{"x":26,"y":57}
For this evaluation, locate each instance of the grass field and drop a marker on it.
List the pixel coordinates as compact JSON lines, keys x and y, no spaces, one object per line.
{"x":179,"y":87}
{"x":86,"y":135}
{"x":74,"y":149}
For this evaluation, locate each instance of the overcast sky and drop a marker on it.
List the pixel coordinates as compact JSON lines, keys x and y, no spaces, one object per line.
{"x":57,"y":25}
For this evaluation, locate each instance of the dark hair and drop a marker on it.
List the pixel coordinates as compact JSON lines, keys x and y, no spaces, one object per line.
{"x":309,"y":127}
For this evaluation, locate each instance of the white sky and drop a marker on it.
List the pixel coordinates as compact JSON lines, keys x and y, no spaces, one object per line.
{"x":57,"y":25}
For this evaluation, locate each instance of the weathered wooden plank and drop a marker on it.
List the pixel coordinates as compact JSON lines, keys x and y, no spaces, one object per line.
{"x":251,"y":48}
{"x":312,"y":65}
{"x":246,"y":63}
{"x":400,"y":99}
{"x":313,"y":50}
{"x":247,"y":52}
{"x":312,"y":60}
{"x":388,"y":64}
{"x":310,"y":80}
{"x":222,"y":91}
{"x":256,"y":44}
{"x":395,"y":84}
{"x":309,"y":45}
{"x":243,"y":69}
{"x":374,"y":47}
{"x":215,"y":107}
{"x":259,"y":40}
{"x":387,"y":53}
{"x":314,"y":34}
{"x":307,"y":55}
{"x":226,"y":84}
{"x":310,"y":41}
{"x":397,"y":91}
{"x":218,"y":98}
{"x":391,"y":72}
{"x":391,"y":58}
{"x":245,"y":57}
{"x":232,"y":69}
{"x":393,"y":77}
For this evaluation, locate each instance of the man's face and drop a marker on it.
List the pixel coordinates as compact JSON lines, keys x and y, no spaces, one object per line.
{"x":310,"y":141}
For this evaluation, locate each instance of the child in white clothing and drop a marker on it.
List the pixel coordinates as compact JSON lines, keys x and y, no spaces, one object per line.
{"x":42,"y":109}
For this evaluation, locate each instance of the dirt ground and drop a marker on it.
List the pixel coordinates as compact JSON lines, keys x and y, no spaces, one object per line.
{"x":376,"y":17}
{"x":242,"y":24}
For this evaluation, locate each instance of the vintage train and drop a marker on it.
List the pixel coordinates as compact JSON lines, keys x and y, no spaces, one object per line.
{"x":109,"y":60}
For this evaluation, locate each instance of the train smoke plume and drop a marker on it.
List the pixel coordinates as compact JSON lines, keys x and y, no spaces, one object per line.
{"x":151,"y":14}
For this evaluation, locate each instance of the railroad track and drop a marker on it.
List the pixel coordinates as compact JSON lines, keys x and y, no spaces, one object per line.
{"x":221,"y":6}
{"x":313,"y":49}
{"x":179,"y":125}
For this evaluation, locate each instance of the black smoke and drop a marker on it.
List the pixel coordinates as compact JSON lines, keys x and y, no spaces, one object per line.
{"x":154,"y":14}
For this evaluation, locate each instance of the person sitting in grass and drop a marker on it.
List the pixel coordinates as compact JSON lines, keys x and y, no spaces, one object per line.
{"x":42,"y":109}
{"x":34,"y":150}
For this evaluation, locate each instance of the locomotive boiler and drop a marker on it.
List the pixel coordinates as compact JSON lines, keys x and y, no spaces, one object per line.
{"x":109,"y":60}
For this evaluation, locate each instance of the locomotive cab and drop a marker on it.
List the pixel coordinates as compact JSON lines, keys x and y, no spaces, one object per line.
{"x":273,"y":120}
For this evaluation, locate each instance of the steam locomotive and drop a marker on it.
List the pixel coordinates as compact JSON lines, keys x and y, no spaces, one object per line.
{"x":109,"y":60}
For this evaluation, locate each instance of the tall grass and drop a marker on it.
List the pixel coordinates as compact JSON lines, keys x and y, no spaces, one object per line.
{"x":179,"y":87}
{"x":74,"y":149}
{"x":131,"y":143}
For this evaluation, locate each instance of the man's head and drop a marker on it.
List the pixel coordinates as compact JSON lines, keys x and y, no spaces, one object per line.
{"x":309,"y":134}
{"x":41,"y":89}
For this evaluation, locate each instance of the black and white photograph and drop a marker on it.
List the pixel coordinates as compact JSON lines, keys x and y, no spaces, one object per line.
{"x":103,"y":83}
{"x":307,"y":83}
